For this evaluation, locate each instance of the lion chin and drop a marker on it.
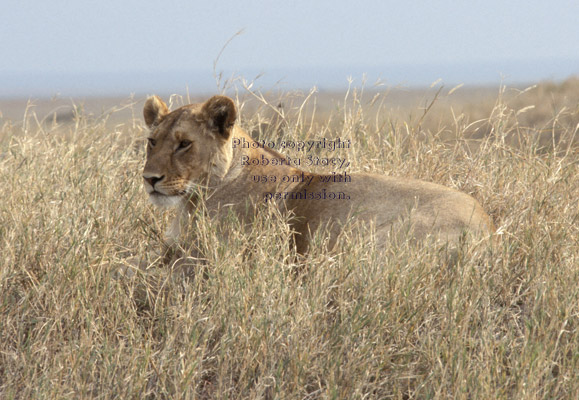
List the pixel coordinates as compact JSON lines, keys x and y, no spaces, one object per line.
{"x":164,"y":201}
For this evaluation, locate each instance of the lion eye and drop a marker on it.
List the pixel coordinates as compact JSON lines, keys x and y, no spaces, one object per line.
{"x":152,"y":142}
{"x":183,"y":144}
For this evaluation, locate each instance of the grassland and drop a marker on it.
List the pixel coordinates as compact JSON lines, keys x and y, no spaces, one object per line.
{"x":503,"y":323}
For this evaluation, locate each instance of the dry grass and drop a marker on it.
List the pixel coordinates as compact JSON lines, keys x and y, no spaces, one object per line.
{"x":502,"y":323}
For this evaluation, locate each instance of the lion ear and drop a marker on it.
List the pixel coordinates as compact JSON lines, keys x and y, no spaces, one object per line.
{"x":155,"y":109}
{"x":220,"y":115}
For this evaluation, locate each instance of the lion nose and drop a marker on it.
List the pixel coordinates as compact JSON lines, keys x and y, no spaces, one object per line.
{"x":152,"y":180}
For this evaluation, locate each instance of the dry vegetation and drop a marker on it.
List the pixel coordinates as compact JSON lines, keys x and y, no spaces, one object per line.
{"x":501,"y":323}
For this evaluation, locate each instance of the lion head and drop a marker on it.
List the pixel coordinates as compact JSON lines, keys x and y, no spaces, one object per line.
{"x":187,"y":148}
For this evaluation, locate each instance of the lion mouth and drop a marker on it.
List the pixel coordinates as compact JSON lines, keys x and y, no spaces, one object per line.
{"x":180,"y":193}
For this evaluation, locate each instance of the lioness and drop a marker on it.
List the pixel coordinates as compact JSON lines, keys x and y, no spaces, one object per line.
{"x":197,"y":147}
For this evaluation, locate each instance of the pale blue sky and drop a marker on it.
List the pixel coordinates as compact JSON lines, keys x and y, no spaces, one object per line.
{"x":62,"y":45}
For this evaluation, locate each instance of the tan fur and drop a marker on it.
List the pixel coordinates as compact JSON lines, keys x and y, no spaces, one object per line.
{"x":192,"y":148}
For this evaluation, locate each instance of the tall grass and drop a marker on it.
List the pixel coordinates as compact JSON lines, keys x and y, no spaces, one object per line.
{"x":501,"y":323}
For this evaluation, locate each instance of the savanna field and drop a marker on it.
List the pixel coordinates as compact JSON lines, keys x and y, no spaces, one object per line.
{"x":79,"y":320}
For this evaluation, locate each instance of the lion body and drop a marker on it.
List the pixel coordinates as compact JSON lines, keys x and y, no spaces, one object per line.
{"x":191,"y":150}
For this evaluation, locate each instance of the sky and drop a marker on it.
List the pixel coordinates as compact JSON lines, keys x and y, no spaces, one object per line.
{"x":126,"y":46}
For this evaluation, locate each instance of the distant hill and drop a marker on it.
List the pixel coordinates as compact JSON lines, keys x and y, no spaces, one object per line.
{"x":48,"y":84}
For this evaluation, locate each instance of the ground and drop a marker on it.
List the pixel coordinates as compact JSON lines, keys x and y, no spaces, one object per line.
{"x":500,"y":323}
